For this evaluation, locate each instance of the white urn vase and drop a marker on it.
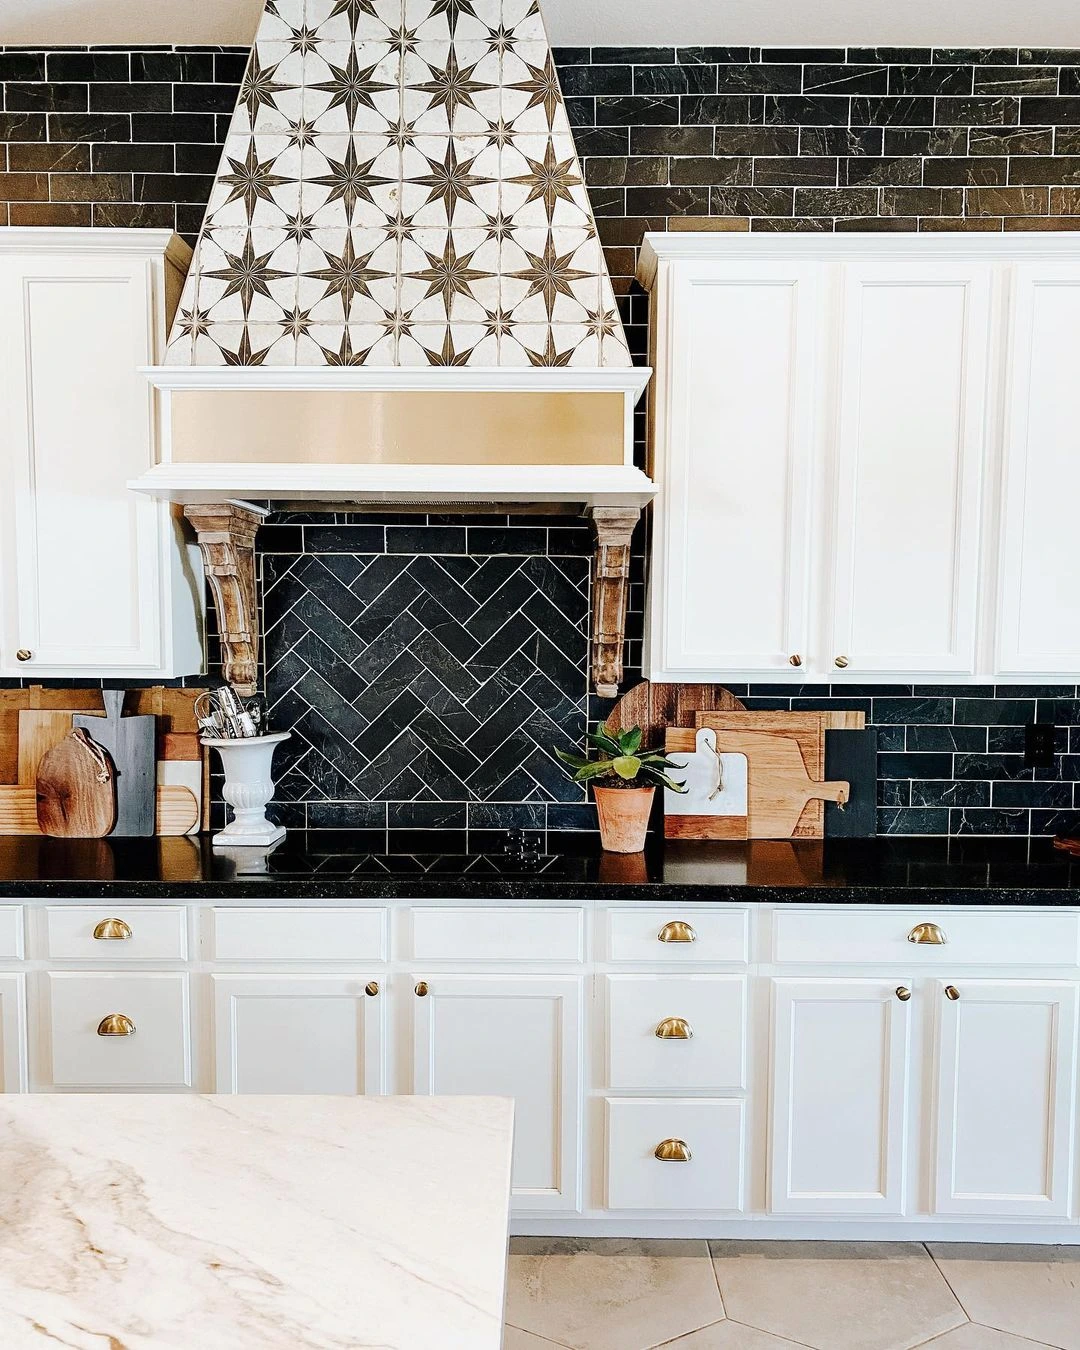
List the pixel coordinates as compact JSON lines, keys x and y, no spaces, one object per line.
{"x":249,"y":789}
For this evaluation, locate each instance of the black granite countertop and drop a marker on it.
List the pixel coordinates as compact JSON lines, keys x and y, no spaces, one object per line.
{"x":875,"y":871}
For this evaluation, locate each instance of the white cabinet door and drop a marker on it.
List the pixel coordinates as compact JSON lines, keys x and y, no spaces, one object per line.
{"x":516,"y":1036}
{"x":298,"y":1033}
{"x":1038,"y":628}
{"x":839,"y":1092}
{"x":1006,"y":1088}
{"x":92,"y":577}
{"x":12,"y":1033}
{"x":911,"y":447}
{"x":735,"y":431}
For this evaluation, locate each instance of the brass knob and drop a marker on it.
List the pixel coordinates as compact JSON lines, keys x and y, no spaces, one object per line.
{"x":421,"y":989}
{"x":927,"y":935}
{"x":674,"y":1029}
{"x":795,"y":660}
{"x":116,"y":1024}
{"x":903,"y":993}
{"x":24,"y":654}
{"x":676,"y":931}
{"x":842,"y":662}
{"x":672,"y":1150}
{"x":112,"y":930}
{"x":371,"y":989}
{"x":952,"y":993}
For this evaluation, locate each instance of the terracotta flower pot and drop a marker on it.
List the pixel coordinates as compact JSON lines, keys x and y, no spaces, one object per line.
{"x":624,"y":817}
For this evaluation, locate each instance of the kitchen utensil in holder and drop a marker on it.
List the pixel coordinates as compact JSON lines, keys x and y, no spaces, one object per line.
{"x":249,"y":789}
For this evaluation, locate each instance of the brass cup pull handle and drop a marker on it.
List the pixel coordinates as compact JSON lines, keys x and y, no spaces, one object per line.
{"x":674,"y":1029}
{"x":795,"y":660}
{"x":903,"y":993}
{"x":371,"y":989}
{"x":112,"y":930}
{"x":24,"y":654}
{"x":116,"y":1024}
{"x":952,"y":993}
{"x":672,"y":1150}
{"x":676,"y":931}
{"x":927,"y":935}
{"x":421,"y":989}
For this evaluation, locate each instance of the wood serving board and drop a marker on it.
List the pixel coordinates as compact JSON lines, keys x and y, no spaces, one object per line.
{"x":655,"y":707}
{"x":780,"y":787}
{"x":176,"y":810}
{"x":76,"y":790}
{"x":40,"y":730}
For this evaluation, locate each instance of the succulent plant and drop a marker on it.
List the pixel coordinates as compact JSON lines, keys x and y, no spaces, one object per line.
{"x":621,"y":760}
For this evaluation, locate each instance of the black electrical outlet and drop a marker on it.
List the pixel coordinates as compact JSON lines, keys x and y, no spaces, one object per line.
{"x":1039,"y":745}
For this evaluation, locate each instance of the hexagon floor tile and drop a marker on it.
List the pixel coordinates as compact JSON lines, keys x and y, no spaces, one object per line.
{"x":610,"y":1293}
{"x":729,"y":1336}
{"x":1029,"y":1291}
{"x":972,"y":1337}
{"x":837,"y":1295}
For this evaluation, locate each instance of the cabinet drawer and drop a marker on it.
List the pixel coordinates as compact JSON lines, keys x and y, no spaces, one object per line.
{"x":704,"y":1018}
{"x":299,"y":934}
{"x":712,"y":1132}
{"x":115,"y":934}
{"x":971,"y":937}
{"x":156,"y":1054}
{"x":498,"y":934}
{"x":720,"y":935}
{"x":11,"y":933}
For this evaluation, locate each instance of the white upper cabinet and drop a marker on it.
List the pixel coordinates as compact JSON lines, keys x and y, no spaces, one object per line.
{"x":841,"y":497}
{"x":94,"y":578}
{"x":910,"y":442}
{"x":736,"y":410}
{"x":1039,"y":587}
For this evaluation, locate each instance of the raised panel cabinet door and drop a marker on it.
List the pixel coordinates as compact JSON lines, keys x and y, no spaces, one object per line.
{"x":82,"y":585}
{"x":735,"y":431}
{"x":299,"y":1033}
{"x":839,"y":1096}
{"x":13,"y":1071}
{"x":912,"y":406}
{"x":519,"y":1037}
{"x":1038,"y":625}
{"x":1006,"y":1089}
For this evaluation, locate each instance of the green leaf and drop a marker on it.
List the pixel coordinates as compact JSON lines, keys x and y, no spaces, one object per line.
{"x":627,"y":767}
{"x":599,"y":768}
{"x":655,"y":776}
{"x":630,"y":741}
{"x":575,"y":761}
{"x":604,"y":742}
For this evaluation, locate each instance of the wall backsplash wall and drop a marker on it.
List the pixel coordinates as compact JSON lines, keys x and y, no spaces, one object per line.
{"x":421,"y":659}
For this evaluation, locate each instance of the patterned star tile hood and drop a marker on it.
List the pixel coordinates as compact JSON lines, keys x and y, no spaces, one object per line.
{"x":399,"y":187}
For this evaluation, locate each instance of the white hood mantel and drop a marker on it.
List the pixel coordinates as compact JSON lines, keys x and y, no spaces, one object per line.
{"x":398,"y":296}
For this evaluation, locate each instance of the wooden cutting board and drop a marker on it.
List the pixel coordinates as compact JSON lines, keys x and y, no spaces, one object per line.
{"x":76,"y":790}
{"x":714,"y":805}
{"x":39,"y":731}
{"x":780,"y":787}
{"x":130,"y":741}
{"x":655,"y":707}
{"x":176,"y":810}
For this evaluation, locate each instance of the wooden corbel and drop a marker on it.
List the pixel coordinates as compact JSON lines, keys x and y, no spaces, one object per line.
{"x":611,"y":574}
{"x":226,"y":534}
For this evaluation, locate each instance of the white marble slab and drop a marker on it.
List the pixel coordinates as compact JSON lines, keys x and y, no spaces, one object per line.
{"x":276,"y":1223}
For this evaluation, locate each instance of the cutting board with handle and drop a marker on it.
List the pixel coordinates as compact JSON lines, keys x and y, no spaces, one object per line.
{"x":76,"y":789}
{"x":39,"y":731}
{"x":714,"y":804}
{"x":655,"y":707}
{"x":131,"y":744}
{"x":780,"y":786}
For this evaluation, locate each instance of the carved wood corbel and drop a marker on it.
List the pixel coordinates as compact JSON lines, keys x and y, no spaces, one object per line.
{"x":611,"y":574}
{"x":226,"y":534}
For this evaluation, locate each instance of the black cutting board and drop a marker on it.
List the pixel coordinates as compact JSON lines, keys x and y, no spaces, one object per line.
{"x":852,"y":757}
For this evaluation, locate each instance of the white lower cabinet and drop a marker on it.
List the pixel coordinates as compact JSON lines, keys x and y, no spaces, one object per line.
{"x":13,"y":1067}
{"x":839,"y":1096}
{"x":675,"y":1154}
{"x":298,"y":1033}
{"x":511,"y":1036}
{"x":117,"y":1029}
{"x":1006,"y":1097}
{"x":677,"y":1031}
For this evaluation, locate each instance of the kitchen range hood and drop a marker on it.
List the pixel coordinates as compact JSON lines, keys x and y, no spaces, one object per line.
{"x":398,"y":295}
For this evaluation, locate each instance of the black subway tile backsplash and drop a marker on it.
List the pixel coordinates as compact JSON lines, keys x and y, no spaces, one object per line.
{"x":425,"y":657}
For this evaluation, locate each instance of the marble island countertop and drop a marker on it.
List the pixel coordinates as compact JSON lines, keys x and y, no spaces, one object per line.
{"x":341,"y":867}
{"x":253,"y":1223}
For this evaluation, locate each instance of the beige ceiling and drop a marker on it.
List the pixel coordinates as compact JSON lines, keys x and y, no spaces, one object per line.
{"x":1032,"y":23}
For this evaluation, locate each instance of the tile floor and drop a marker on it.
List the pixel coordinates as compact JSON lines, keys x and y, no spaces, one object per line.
{"x":615,"y":1294}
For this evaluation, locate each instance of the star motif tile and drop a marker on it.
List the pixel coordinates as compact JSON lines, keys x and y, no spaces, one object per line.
{"x":399,"y":185}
